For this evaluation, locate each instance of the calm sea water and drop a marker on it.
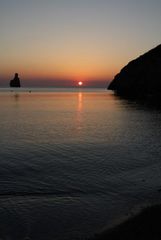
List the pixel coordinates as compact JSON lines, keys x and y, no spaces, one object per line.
{"x":73,"y":161}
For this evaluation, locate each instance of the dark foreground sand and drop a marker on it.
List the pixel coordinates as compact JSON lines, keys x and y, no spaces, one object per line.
{"x":145,"y":225}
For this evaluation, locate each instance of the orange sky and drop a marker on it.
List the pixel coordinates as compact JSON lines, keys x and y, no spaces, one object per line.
{"x":49,"y":41}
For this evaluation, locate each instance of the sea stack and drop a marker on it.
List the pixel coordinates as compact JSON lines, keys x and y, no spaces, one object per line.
{"x":141,"y":77}
{"x":15,"y":82}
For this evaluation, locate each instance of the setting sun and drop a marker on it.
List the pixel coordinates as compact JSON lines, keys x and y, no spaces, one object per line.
{"x":80,"y":83}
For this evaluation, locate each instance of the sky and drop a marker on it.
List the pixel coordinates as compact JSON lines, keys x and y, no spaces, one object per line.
{"x":61,"y":42}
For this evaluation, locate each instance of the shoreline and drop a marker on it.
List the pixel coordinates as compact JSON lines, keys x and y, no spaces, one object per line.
{"x":144,"y":225}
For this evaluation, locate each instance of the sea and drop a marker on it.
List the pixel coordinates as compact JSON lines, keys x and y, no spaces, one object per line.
{"x":74,"y":161}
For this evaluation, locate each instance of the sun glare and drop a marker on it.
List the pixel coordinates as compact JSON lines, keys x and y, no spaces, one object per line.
{"x":80,"y":83}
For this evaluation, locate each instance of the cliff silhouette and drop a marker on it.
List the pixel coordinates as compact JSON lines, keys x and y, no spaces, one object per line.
{"x":141,"y":77}
{"x":15,"y":82}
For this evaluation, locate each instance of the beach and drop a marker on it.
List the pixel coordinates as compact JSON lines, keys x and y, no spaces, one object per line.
{"x":142,"y":226}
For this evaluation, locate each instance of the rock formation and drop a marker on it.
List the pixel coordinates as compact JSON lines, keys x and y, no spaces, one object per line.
{"x":15,"y":82}
{"x":141,"y":77}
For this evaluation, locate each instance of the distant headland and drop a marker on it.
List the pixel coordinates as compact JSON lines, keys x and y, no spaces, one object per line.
{"x":140,"y":78}
{"x":15,"y":82}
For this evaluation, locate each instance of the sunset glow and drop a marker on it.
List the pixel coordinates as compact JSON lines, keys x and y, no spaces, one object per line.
{"x":80,"y":83}
{"x":62,"y":46}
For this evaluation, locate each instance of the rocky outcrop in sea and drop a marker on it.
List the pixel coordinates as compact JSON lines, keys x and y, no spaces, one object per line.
{"x":15,"y":82}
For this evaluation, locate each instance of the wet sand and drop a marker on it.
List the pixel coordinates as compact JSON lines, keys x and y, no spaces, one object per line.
{"x":145,"y":225}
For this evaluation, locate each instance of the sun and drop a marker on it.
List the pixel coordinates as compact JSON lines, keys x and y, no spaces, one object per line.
{"x":80,"y":83}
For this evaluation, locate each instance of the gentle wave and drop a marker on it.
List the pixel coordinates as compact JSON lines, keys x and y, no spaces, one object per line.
{"x":72,"y":161}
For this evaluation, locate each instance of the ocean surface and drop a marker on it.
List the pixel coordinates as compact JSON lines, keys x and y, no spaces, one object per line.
{"x":74,"y":161}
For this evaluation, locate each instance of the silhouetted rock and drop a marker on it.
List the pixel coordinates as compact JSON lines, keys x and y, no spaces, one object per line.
{"x":15,"y":82}
{"x":141,"y":78}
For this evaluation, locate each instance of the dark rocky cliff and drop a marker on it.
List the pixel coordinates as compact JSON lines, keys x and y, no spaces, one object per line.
{"x":141,"y":77}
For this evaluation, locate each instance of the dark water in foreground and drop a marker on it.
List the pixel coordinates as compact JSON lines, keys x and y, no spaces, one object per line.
{"x":74,"y":161}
